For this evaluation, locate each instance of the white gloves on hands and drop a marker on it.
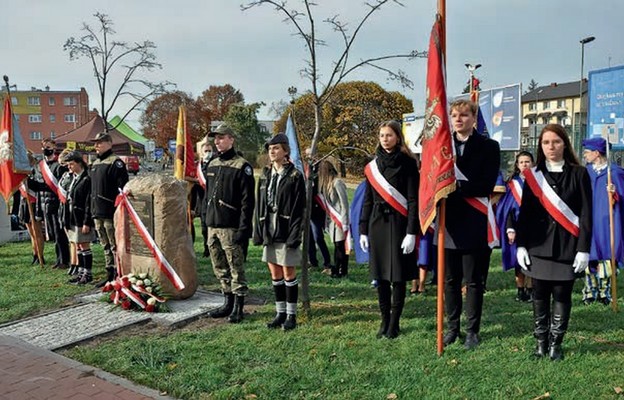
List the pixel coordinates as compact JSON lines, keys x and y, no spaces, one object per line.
{"x":408,"y":244}
{"x":522,"y":255}
{"x":581,"y":262}
{"x":364,"y":243}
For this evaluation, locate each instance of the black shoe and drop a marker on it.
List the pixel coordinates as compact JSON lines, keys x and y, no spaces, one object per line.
{"x":449,"y":338}
{"x":237,"y":312}
{"x":226,"y":309}
{"x":604,"y":301}
{"x":290,"y":323}
{"x":589,"y":301}
{"x":277,"y":321}
{"x":520,"y":294}
{"x":541,"y":350}
{"x":206,"y":251}
{"x":472,"y":340}
{"x":555,"y":352}
{"x":35,"y":260}
{"x":86,"y":278}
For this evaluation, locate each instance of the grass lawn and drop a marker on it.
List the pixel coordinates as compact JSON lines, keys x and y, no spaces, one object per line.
{"x":334,"y":354}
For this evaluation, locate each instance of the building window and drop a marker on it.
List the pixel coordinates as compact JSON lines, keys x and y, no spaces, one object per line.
{"x":14,"y":100}
{"x":561,"y":103}
{"x":34,"y":118}
{"x":51,"y":101}
{"x":69,"y":101}
{"x":33,"y":101}
{"x":52,"y":117}
{"x":52,"y":135}
{"x":545,"y":105}
{"x":35,"y":135}
{"x":532,"y":106}
{"x":70,"y":117}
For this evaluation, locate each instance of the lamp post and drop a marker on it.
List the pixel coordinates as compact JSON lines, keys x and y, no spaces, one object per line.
{"x":471,"y":69}
{"x":583,"y":42}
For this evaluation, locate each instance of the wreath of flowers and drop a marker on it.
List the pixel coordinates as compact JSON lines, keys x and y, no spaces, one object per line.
{"x":135,"y":292}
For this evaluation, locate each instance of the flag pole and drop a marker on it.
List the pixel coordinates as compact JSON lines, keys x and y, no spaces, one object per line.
{"x":611,"y":234}
{"x":442,"y":211}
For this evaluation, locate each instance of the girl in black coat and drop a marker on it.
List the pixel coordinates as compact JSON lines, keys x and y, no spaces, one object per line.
{"x":279,"y":213}
{"x":387,"y":230}
{"x":551,"y":249}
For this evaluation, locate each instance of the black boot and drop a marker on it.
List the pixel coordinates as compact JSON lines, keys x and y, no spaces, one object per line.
{"x":383,"y":293}
{"x":558,"y":329}
{"x":111,"y":274}
{"x":206,"y":251}
{"x":237,"y":312}
{"x":290,"y":323}
{"x":520,"y":294}
{"x":541,"y":330}
{"x":35,"y":259}
{"x":398,"y":301}
{"x":335,"y":271}
{"x":277,"y":322}
{"x":225,"y":309}
{"x":78,"y":276}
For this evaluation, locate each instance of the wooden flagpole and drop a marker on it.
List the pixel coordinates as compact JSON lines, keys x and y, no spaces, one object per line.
{"x":442,"y":210}
{"x":611,"y":235}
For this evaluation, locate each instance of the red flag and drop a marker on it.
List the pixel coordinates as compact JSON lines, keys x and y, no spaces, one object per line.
{"x":10,"y":178}
{"x":437,"y":175}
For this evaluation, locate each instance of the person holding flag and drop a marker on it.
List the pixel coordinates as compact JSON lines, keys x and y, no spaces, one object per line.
{"x":333,"y":198}
{"x":554,"y":235}
{"x":597,"y":276}
{"x":468,"y":229}
{"x":389,"y":223}
{"x":228,"y":205}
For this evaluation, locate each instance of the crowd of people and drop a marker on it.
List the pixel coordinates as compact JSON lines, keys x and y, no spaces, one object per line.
{"x":553,"y":222}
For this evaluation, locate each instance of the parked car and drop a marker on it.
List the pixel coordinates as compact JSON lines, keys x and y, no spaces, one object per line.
{"x":132,"y":164}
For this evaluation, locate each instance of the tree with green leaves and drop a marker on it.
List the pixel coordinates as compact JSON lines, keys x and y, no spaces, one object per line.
{"x":243,"y":119}
{"x":532,"y":86}
{"x":120,"y":68}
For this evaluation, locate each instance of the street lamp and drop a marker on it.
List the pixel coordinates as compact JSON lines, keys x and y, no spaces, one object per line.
{"x":583,"y":42}
{"x":472,"y":69}
{"x":292,"y":91}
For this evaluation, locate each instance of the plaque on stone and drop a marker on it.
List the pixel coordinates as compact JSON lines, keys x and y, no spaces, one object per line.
{"x":144,"y":206}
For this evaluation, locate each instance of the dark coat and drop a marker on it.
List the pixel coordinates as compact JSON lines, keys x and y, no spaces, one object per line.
{"x":385,"y":226}
{"x":290,"y":204}
{"x":537,"y":230}
{"x":108,"y":174}
{"x":78,"y":206}
{"x":466,"y":227}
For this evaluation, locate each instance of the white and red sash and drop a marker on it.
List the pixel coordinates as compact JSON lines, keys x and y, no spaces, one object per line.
{"x":515,"y":187}
{"x":553,"y":204}
{"x":200,"y":176}
{"x":27,"y":193}
{"x":388,"y":192}
{"x":52,"y":182}
{"x":484,"y":206}
{"x":335,"y":216}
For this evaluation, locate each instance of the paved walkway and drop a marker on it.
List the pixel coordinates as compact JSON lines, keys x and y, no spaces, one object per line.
{"x":29,"y":369}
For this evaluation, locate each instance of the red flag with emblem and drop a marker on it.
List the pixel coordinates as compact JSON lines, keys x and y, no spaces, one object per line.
{"x":437,"y":175}
{"x":10,"y":176}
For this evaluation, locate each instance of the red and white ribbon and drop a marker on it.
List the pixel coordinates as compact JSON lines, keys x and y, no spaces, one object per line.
{"x":200,"y":176}
{"x":388,"y":192}
{"x":515,"y":187}
{"x":484,"y":206}
{"x":52,"y":182}
{"x":335,"y":216}
{"x":163,"y":264}
{"x":554,"y":205}
{"x":27,"y":193}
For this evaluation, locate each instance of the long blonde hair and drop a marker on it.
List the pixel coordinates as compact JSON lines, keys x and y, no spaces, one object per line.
{"x":327,"y":174}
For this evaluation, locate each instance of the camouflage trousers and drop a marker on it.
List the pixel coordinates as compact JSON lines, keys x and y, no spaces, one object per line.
{"x":227,"y":260}
{"x":105,"y":229}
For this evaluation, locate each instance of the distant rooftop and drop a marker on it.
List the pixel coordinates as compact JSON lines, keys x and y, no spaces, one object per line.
{"x":554,"y":91}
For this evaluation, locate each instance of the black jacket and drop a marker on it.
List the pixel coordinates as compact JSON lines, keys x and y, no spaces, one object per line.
{"x":290,"y":205}
{"x":466,"y":227}
{"x":78,"y":207}
{"x":229,"y":199}
{"x":108,"y":174}
{"x":537,"y":230}
{"x":49,"y":201}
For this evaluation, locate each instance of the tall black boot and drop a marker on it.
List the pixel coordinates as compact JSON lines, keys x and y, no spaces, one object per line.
{"x":383,"y":294}
{"x":225,"y":309}
{"x":541,"y":331}
{"x":398,"y":301}
{"x":558,"y":329}
{"x":237,"y":312}
{"x":111,"y":274}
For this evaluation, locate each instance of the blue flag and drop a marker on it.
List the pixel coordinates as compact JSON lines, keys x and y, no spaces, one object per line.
{"x":295,"y":154}
{"x":361,"y":257}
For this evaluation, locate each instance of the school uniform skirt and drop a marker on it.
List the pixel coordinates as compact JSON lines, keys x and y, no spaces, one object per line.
{"x":75,"y":235}
{"x":279,"y":253}
{"x":549,"y":269}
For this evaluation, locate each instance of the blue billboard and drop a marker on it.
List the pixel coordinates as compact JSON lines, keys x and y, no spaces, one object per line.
{"x":606,"y":105}
{"x":500,"y":109}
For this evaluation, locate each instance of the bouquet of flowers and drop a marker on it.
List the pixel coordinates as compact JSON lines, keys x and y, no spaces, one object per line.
{"x":135,"y":292}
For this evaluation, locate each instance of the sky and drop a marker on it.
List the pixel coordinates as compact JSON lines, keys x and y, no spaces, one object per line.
{"x":213,"y":42}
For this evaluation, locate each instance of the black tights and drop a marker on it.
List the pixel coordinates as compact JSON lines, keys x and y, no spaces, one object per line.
{"x":561,"y":291}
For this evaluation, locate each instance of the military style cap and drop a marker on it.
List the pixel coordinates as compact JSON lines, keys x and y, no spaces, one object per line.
{"x":103,"y":137}
{"x":222,"y":129}
{"x":280,"y":138}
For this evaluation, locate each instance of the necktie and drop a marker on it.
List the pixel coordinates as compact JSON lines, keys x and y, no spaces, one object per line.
{"x":272,"y":191}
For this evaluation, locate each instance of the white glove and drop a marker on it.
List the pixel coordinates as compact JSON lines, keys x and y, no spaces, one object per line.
{"x":364,"y":243}
{"x":522,"y":255}
{"x":409,"y":241}
{"x":581,"y":262}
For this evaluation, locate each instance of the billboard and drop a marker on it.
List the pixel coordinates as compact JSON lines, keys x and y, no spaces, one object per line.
{"x":412,"y":128}
{"x":500,"y":108}
{"x":606,"y":105}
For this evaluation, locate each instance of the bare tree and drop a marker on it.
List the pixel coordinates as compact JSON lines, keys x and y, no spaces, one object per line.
{"x":304,"y":24}
{"x":119,"y":67}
